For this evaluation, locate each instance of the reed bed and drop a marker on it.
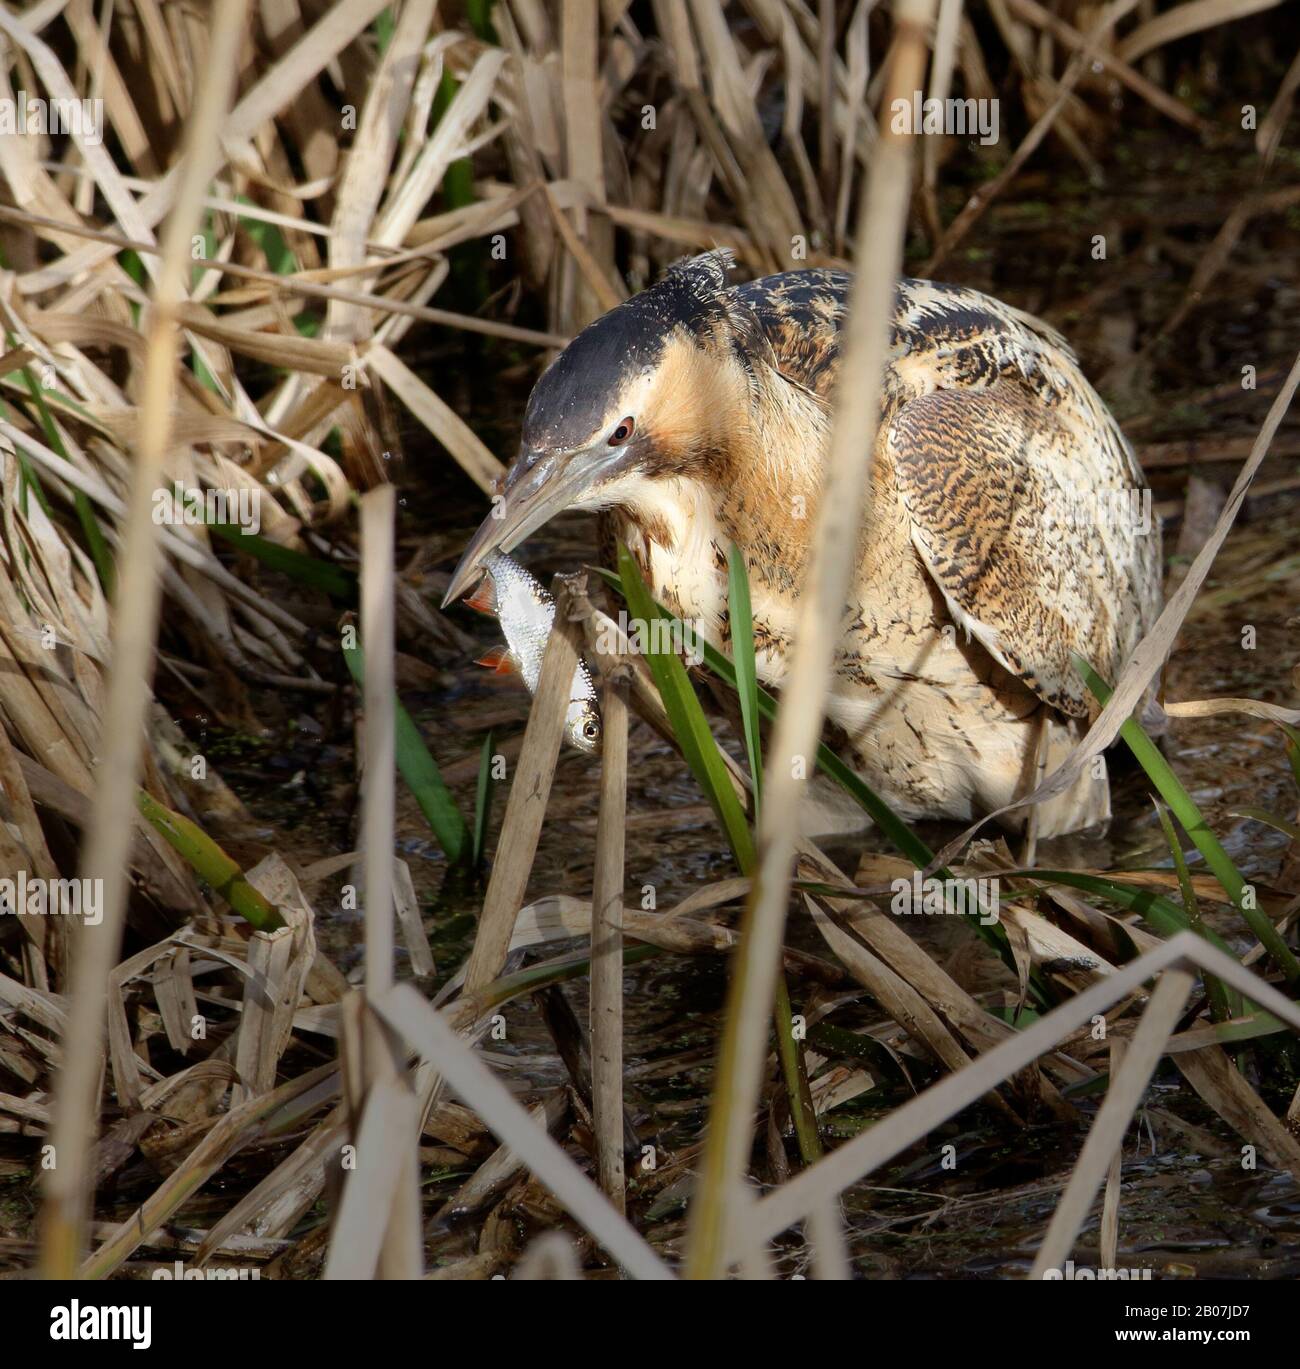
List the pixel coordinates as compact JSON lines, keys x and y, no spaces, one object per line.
{"x":210,"y":294}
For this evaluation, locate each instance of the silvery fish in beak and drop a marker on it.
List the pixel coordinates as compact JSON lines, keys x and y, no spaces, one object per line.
{"x":526,"y":611}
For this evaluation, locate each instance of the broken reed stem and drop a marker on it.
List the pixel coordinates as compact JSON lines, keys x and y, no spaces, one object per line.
{"x":881,"y":225}
{"x":106,"y":857}
{"x":286,"y":1106}
{"x":1127,"y":1086}
{"x":607,"y":945}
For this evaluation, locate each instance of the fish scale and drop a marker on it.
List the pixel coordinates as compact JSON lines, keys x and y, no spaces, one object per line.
{"x":526,"y":611}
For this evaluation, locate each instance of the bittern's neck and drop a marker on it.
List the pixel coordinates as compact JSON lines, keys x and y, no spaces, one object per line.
{"x":742,"y":464}
{"x":769,"y":472}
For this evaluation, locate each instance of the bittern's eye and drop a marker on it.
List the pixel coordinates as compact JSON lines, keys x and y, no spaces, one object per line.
{"x":622,"y":432}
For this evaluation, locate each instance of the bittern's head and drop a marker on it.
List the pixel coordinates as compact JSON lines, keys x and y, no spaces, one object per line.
{"x":646,"y":392}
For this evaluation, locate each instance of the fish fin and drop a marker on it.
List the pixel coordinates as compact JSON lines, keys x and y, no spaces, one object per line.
{"x":481,"y":601}
{"x":499,"y":661}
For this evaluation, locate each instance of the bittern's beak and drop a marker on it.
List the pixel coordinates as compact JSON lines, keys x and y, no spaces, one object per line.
{"x":537,"y":487}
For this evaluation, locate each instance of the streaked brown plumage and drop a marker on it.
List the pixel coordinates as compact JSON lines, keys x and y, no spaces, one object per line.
{"x":996,"y":540}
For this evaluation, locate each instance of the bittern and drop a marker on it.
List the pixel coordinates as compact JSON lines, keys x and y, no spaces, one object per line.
{"x":1001,"y":534}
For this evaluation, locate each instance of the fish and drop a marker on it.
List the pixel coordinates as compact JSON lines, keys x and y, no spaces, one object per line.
{"x":526,"y":611}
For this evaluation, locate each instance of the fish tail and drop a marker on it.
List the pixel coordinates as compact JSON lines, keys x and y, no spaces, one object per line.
{"x":499,"y":661}
{"x":483,"y":600}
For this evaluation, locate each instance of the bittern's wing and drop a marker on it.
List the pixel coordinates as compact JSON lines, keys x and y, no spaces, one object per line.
{"x":1017,"y":515}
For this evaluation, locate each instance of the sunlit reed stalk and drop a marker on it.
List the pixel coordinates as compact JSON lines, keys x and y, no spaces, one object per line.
{"x":826,"y":1236}
{"x":1127,"y":1085}
{"x":607,"y":945}
{"x":108,"y":840}
{"x":378,"y":508}
{"x":529,"y":794}
{"x":391,"y":1116}
{"x":882,"y":219}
